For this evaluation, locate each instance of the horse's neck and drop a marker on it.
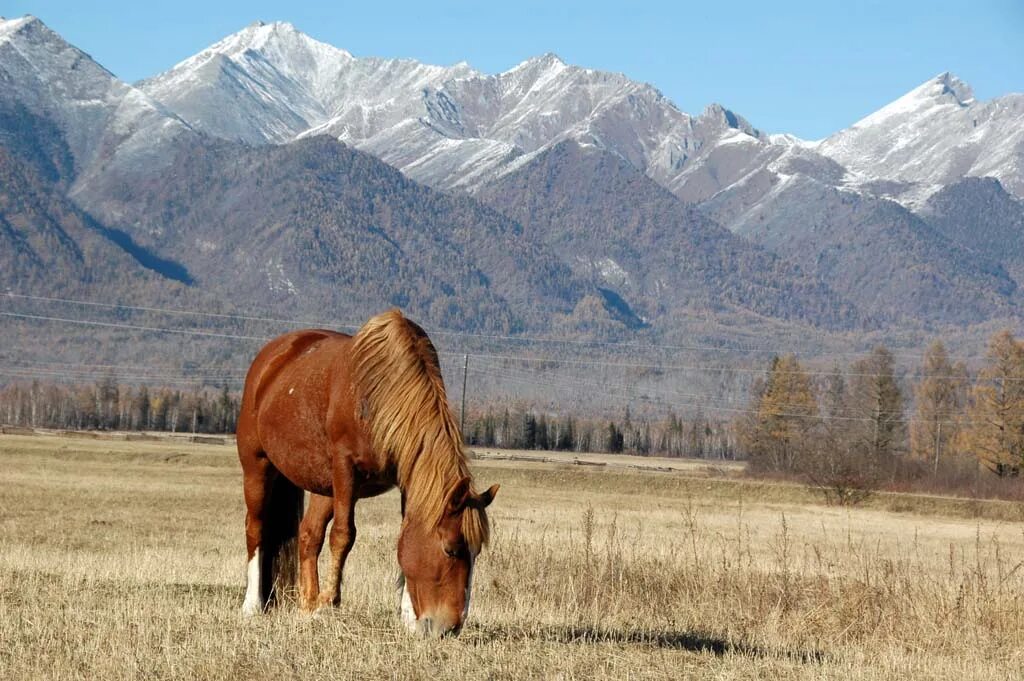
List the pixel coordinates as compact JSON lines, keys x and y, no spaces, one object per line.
{"x":409,"y":488}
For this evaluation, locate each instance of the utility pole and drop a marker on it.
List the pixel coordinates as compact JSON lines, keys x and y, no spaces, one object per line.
{"x":938,"y":440}
{"x":462,"y":421}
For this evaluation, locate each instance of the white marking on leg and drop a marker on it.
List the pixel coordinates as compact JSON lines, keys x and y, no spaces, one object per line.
{"x":408,"y":612}
{"x":253,"y":604}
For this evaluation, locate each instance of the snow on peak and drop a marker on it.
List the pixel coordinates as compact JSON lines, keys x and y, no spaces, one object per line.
{"x":547,"y":59}
{"x":717,"y":116}
{"x":550,"y":59}
{"x":787,"y":140}
{"x":935,"y":134}
{"x":943,"y":91}
{"x":534,"y":67}
{"x":278,"y":39}
{"x":270,"y":82}
{"x":15,"y":24}
{"x":105,"y":122}
{"x":952,"y":85}
{"x":27,"y":23}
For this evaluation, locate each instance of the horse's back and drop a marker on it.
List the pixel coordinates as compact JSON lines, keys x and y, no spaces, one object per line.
{"x":285,"y":403}
{"x":280,"y":354}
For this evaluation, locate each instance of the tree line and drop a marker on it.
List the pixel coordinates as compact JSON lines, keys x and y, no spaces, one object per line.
{"x":674,"y":436}
{"x":108,"y":405}
{"x":849,"y":431}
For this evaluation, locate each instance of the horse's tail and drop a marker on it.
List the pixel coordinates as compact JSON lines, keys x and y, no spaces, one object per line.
{"x":280,"y":543}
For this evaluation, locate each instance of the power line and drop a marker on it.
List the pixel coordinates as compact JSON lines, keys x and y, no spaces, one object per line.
{"x":165,"y":310}
{"x":218,"y":375}
{"x":604,"y":363}
{"x":162,"y":381}
{"x":700,"y":405}
{"x":705,"y":398}
{"x":197,"y":332}
{"x":748,"y":348}
{"x":698,"y":367}
{"x":44,"y":371}
{"x":135,"y":327}
{"x":706,"y":402}
{"x":129,"y":367}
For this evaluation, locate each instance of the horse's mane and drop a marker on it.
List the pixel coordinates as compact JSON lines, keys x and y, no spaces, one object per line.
{"x":398,"y":381}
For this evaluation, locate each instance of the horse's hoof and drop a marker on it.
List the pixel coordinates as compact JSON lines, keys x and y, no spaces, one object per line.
{"x":251,"y":609}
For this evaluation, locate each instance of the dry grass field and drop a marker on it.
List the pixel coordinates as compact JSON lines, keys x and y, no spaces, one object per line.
{"x":125,"y":560}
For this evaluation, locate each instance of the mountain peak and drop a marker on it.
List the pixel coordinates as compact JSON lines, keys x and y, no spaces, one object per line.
{"x":11,"y":26}
{"x":20,"y":21}
{"x":943,"y":88}
{"x":543,"y":62}
{"x":272,"y":27}
{"x":720,"y":116}
{"x":260,"y":33}
{"x":279,"y":37}
{"x":949,"y":84}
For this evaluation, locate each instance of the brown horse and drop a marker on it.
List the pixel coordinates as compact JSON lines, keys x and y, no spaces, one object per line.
{"x":345,"y":418}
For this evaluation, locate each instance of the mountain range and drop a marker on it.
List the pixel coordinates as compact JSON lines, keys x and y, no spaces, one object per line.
{"x":272,"y":171}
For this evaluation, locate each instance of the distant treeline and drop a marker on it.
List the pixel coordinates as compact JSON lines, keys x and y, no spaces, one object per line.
{"x":849,"y":431}
{"x":850,"y":428}
{"x":673,"y":436}
{"x":106,"y":405}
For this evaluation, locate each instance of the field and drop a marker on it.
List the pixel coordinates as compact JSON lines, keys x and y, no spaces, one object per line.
{"x":125,"y":560}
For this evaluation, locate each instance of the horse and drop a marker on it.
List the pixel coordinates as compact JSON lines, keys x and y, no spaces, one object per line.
{"x":346,"y":418}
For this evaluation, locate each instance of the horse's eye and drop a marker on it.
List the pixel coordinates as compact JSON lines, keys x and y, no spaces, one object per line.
{"x":451,"y":552}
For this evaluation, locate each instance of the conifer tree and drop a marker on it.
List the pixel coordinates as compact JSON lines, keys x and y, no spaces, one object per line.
{"x":996,"y":433}
{"x":876,"y":403}
{"x":776,"y":436}
{"x":939,"y":398}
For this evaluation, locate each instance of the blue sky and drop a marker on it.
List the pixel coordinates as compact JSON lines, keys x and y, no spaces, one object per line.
{"x":809,"y":68}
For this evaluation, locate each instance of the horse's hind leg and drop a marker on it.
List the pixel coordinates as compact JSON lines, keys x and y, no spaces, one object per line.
{"x":258,"y":477}
{"x":311,"y":540}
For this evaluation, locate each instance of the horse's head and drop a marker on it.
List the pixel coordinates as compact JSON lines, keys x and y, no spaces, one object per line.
{"x":437,"y":562}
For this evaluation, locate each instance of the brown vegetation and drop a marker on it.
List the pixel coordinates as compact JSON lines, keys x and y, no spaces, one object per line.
{"x":850,"y":438}
{"x":592,"y":573}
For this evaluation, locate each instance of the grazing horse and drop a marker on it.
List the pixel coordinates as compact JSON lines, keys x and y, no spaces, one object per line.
{"x":344,"y":418}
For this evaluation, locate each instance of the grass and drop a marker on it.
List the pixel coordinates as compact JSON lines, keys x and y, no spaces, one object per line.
{"x":125,"y":560}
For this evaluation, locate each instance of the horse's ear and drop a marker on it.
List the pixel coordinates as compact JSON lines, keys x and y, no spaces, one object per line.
{"x":484,"y":500}
{"x":458,"y":496}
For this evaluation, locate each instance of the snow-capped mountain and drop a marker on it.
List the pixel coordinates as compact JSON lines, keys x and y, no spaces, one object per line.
{"x":454,"y":127}
{"x":104,"y":121}
{"x":258,"y":97}
{"x":934,"y":135}
{"x":446,"y":126}
{"x":271,"y":83}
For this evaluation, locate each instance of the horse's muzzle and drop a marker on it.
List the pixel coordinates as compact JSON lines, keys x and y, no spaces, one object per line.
{"x":430,"y":627}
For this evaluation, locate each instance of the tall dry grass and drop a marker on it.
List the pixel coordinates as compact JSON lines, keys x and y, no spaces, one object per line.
{"x":125,"y":561}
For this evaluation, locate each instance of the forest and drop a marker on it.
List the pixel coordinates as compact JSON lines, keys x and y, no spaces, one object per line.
{"x":848,"y":430}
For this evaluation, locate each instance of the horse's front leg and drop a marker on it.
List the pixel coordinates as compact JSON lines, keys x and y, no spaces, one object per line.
{"x":343,"y":531}
{"x":311,"y":540}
